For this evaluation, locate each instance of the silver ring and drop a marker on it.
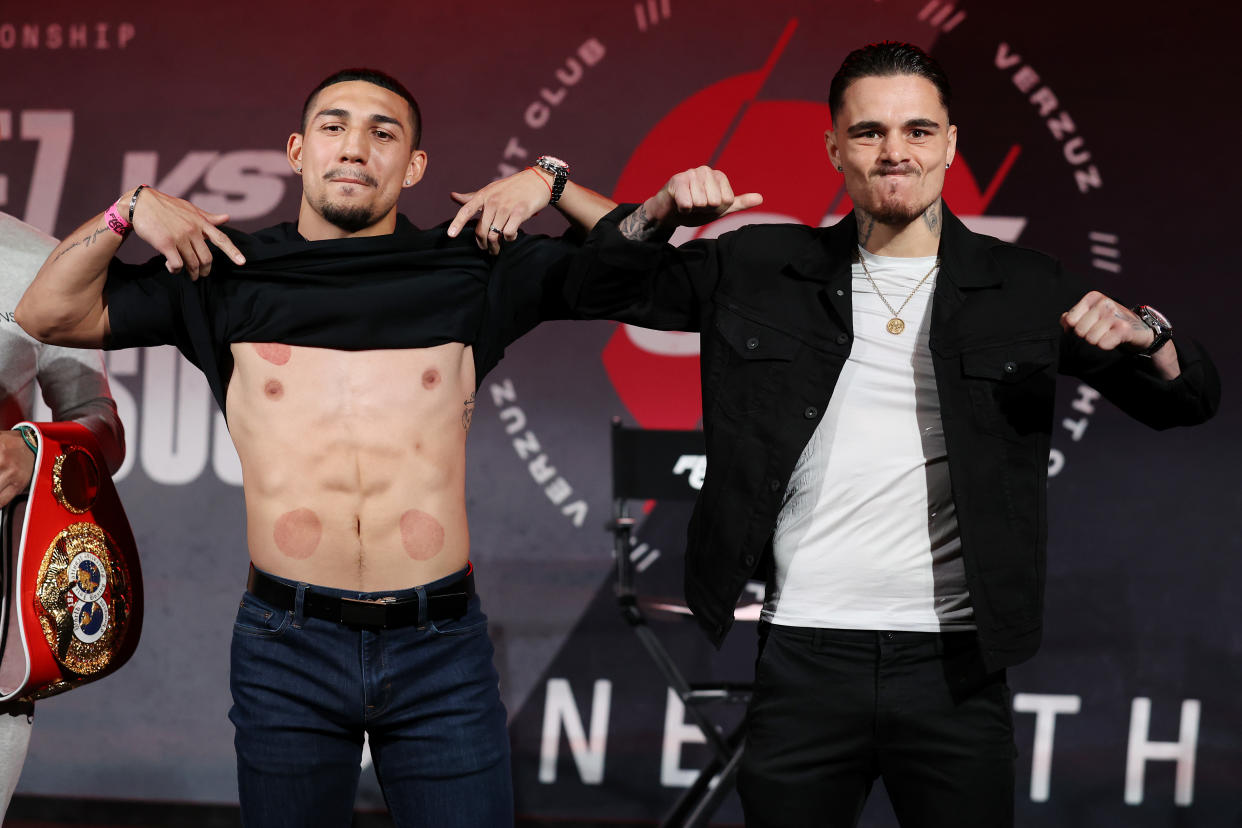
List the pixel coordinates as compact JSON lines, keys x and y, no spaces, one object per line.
{"x":494,"y":230}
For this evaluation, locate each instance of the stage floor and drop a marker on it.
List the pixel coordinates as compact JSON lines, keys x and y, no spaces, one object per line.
{"x":65,"y":812}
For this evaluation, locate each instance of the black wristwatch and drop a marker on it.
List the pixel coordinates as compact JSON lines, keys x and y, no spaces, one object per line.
{"x":1160,"y":327}
{"x":560,"y":174}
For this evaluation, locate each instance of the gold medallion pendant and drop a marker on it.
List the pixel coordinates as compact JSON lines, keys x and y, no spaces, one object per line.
{"x":895,"y":325}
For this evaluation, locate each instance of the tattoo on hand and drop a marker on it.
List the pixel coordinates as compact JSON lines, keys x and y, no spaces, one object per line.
{"x":1136,"y":324}
{"x":638,"y":226}
{"x":866,"y":226}
{"x":467,"y":415}
{"x":931,"y":217}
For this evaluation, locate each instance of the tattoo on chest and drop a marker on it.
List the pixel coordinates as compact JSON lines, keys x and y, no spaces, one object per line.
{"x":467,"y":413}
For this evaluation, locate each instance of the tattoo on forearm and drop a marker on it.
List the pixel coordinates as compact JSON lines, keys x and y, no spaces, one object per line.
{"x":866,"y":226}
{"x":85,"y":241}
{"x":932,"y":218}
{"x":66,"y":250}
{"x":638,"y":226}
{"x":467,"y":415}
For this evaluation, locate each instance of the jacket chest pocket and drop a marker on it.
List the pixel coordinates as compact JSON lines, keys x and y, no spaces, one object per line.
{"x":746,"y":362}
{"x":1012,"y":386}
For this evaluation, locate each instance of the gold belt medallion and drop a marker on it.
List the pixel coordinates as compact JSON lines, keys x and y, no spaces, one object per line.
{"x":83,"y":598}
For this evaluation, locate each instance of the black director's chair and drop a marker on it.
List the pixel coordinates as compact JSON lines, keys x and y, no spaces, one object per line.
{"x":661,"y":465}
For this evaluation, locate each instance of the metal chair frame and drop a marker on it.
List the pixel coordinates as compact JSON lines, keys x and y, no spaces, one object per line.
{"x":630,"y":448}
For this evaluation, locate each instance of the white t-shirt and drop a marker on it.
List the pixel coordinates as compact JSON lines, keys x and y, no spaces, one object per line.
{"x":867,"y":537}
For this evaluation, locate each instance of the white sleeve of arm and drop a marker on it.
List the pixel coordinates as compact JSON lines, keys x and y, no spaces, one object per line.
{"x":75,"y":387}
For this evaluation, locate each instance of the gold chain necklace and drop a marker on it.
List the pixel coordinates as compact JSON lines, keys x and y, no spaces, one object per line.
{"x":895,"y":325}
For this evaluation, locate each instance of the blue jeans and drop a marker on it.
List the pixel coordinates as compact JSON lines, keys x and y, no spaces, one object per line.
{"x":305,"y":690}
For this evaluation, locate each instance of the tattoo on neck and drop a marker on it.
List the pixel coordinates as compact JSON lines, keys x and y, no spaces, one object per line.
{"x":467,"y":415}
{"x":638,"y":226}
{"x":866,"y":226}
{"x":931,"y":217}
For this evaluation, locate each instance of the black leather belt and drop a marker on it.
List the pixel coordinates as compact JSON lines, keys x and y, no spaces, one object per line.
{"x":443,"y":603}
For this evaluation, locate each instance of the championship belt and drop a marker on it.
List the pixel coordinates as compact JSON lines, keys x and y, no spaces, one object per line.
{"x":72,"y":589}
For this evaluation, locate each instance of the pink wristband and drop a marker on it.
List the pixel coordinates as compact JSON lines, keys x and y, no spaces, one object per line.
{"x":117,"y":224}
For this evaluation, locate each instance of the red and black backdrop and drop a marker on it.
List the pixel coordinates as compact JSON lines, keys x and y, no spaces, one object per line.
{"x":1102,"y":132}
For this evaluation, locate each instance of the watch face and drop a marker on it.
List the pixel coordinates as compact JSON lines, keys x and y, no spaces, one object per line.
{"x":1158,"y":317}
{"x":553,"y":161}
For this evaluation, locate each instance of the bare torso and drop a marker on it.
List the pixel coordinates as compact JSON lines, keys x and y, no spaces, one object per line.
{"x":353,"y":462}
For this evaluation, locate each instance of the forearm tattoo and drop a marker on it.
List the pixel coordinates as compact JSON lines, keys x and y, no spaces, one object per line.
{"x":85,"y":241}
{"x":467,"y":414}
{"x":638,"y":226}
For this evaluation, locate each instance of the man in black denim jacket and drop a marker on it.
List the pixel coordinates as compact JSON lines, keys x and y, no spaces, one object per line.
{"x":790,"y":316}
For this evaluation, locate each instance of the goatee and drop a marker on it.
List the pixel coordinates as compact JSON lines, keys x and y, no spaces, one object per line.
{"x":351,"y":219}
{"x":897,"y":215}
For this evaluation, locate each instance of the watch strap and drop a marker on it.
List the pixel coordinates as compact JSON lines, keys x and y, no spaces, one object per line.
{"x":560,"y":174}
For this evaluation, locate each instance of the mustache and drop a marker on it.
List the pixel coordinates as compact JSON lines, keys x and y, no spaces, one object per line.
{"x":345,"y":172}
{"x":897,"y":169}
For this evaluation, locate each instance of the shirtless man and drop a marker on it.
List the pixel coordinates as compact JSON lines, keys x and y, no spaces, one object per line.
{"x":345,"y":351}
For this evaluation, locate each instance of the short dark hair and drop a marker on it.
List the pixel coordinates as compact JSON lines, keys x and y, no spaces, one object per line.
{"x":380,"y":79}
{"x":883,"y":60}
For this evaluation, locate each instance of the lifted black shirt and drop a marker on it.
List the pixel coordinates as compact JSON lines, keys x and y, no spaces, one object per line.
{"x":409,"y":289}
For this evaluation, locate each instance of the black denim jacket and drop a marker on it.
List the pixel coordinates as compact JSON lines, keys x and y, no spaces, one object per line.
{"x":773,"y":304}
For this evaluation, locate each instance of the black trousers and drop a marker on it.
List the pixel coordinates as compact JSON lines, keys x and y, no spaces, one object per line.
{"x":833,"y":710}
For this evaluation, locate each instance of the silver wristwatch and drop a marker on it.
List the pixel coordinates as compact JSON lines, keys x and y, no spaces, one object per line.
{"x":560,"y":174}
{"x":1160,"y":326}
